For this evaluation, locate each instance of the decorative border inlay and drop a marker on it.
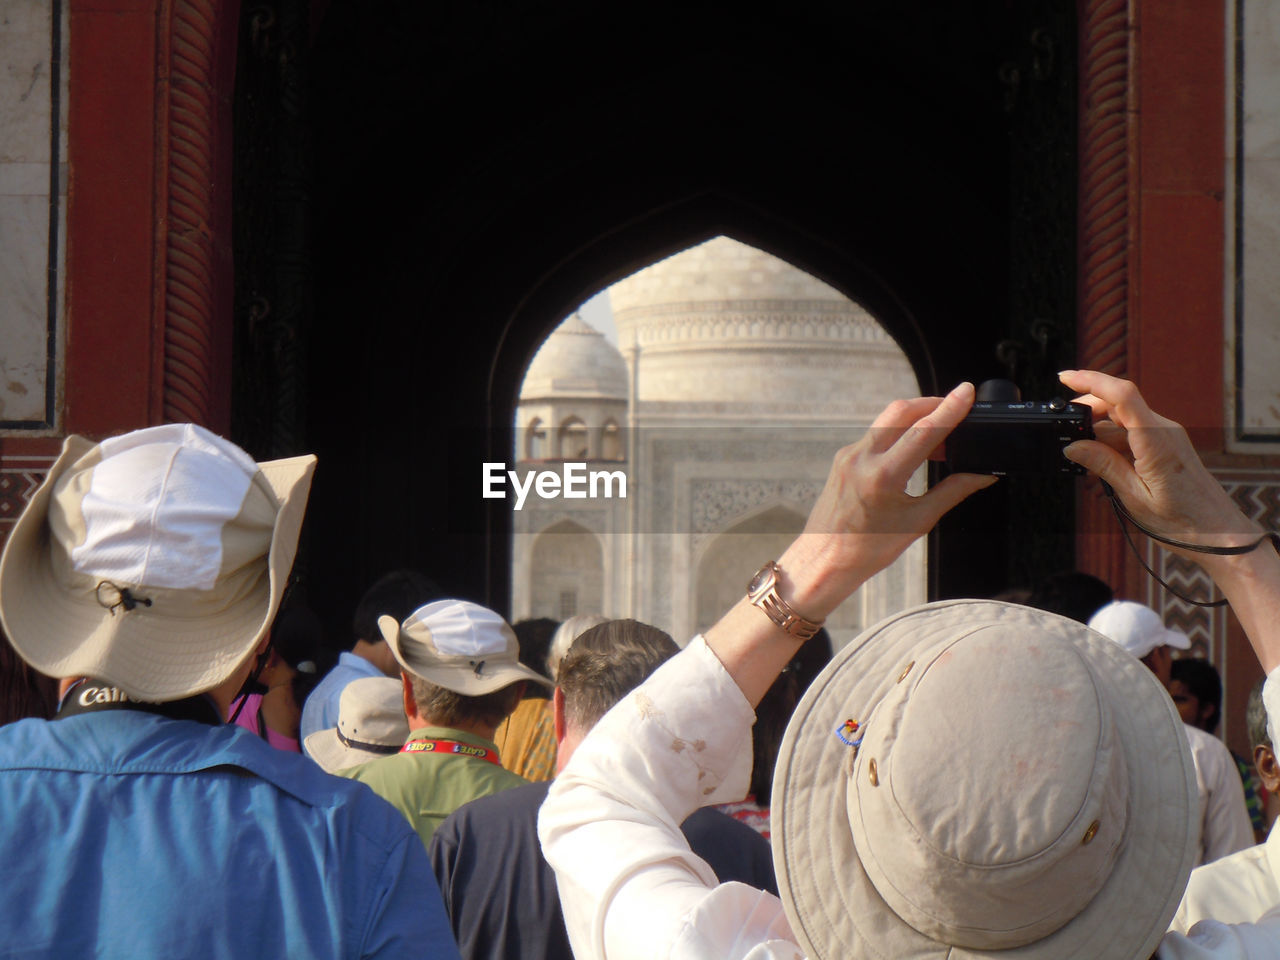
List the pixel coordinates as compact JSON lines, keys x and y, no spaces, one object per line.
{"x":19,"y":479}
{"x":1258,"y":498}
{"x":741,"y":320}
{"x":718,"y":504}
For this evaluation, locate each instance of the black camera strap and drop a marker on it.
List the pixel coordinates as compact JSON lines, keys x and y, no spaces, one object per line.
{"x":88,"y":695}
{"x":1125,"y":518}
{"x":251,"y":684}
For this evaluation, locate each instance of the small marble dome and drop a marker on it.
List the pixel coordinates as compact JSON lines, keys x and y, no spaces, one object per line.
{"x":575,"y":362}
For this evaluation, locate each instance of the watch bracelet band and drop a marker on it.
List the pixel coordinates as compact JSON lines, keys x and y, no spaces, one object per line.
{"x":775,"y":608}
{"x":780,"y":612}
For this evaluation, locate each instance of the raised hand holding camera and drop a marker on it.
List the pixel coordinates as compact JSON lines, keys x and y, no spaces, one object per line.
{"x":1151,"y":465}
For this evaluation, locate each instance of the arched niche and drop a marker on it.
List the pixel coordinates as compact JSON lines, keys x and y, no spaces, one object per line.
{"x":733,"y":556}
{"x":611,"y":441}
{"x":535,"y":440}
{"x":566,"y":572}
{"x":727,"y":563}
{"x":573,"y":440}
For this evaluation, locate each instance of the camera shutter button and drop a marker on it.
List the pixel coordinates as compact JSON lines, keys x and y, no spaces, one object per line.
{"x":1057,"y":404}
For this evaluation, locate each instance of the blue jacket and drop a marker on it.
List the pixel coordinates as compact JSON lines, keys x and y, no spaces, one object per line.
{"x":132,"y":835}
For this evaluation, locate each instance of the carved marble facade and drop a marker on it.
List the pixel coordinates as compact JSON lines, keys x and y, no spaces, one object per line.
{"x":738,"y":378}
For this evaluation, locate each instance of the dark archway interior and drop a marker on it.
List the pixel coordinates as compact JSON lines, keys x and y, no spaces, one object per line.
{"x":478,"y":169}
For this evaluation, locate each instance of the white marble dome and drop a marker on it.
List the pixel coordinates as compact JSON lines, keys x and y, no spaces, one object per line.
{"x":575,"y":362}
{"x":723,"y":329}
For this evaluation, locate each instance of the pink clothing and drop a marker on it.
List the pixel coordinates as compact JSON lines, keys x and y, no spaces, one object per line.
{"x":251,"y":719}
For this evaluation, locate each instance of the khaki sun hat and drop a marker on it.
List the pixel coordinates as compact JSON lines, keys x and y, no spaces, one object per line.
{"x":155,"y":560}
{"x":975,"y":779}
{"x":371,"y":724}
{"x":458,"y":645}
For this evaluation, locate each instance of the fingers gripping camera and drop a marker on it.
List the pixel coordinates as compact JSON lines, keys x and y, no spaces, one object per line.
{"x":1004,"y":435}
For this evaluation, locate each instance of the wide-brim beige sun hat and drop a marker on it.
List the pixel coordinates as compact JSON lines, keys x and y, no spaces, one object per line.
{"x":975,"y":779}
{"x":458,"y":645}
{"x":371,"y":725}
{"x":155,"y":560}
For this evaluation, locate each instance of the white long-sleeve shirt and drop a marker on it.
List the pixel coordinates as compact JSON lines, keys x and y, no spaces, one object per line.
{"x":630,"y":885}
{"x":1236,"y":889}
{"x":1224,"y":818}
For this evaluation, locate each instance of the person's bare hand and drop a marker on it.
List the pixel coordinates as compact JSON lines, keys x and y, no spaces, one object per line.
{"x":865,"y":518}
{"x":1151,"y":465}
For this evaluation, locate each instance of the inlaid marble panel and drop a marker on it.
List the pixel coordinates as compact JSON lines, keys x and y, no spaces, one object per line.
{"x":1253,"y":248}
{"x":33,"y":87}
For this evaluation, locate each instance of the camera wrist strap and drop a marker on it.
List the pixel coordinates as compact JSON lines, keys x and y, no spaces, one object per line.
{"x":1125,"y":517}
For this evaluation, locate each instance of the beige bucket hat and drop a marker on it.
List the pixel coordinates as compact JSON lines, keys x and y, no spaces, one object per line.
{"x":1016,"y":787}
{"x":460,"y":646}
{"x":155,"y":560}
{"x":371,"y":724}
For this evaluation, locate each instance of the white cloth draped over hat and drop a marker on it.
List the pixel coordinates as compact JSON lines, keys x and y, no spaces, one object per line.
{"x":155,"y":560}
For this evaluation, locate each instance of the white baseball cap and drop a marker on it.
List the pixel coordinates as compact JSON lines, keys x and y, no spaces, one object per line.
{"x":1136,"y":627}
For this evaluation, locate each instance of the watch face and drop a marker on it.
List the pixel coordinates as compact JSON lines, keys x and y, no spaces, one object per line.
{"x":761,"y":580}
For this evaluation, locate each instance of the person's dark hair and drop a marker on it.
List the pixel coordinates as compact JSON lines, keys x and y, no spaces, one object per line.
{"x":445,"y":708}
{"x":23,"y":692}
{"x":395,"y":594}
{"x":298,"y":637}
{"x":1202,"y":681}
{"x":605,"y":663}
{"x":534,"y":637}
{"x":1071,"y":593}
{"x":773,"y":713}
{"x":1255,"y":717}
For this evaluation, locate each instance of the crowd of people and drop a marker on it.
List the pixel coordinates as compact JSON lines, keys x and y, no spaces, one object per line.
{"x":968,"y":778}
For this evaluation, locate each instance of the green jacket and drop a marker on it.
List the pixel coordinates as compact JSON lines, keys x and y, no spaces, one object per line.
{"x":428,"y":786}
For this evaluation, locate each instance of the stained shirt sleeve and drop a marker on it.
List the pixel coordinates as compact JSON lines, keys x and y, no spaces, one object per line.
{"x":629,"y":883}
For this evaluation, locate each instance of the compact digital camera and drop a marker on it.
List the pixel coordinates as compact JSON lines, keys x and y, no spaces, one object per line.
{"x":1004,"y":435}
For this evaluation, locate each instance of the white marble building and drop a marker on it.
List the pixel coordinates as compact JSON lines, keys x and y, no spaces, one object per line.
{"x":738,"y":379}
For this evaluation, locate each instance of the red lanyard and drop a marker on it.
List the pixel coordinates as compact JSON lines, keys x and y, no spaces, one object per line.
{"x":451,"y":747}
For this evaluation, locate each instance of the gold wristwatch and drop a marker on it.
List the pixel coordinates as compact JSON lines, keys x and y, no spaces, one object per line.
{"x":763,"y":592}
